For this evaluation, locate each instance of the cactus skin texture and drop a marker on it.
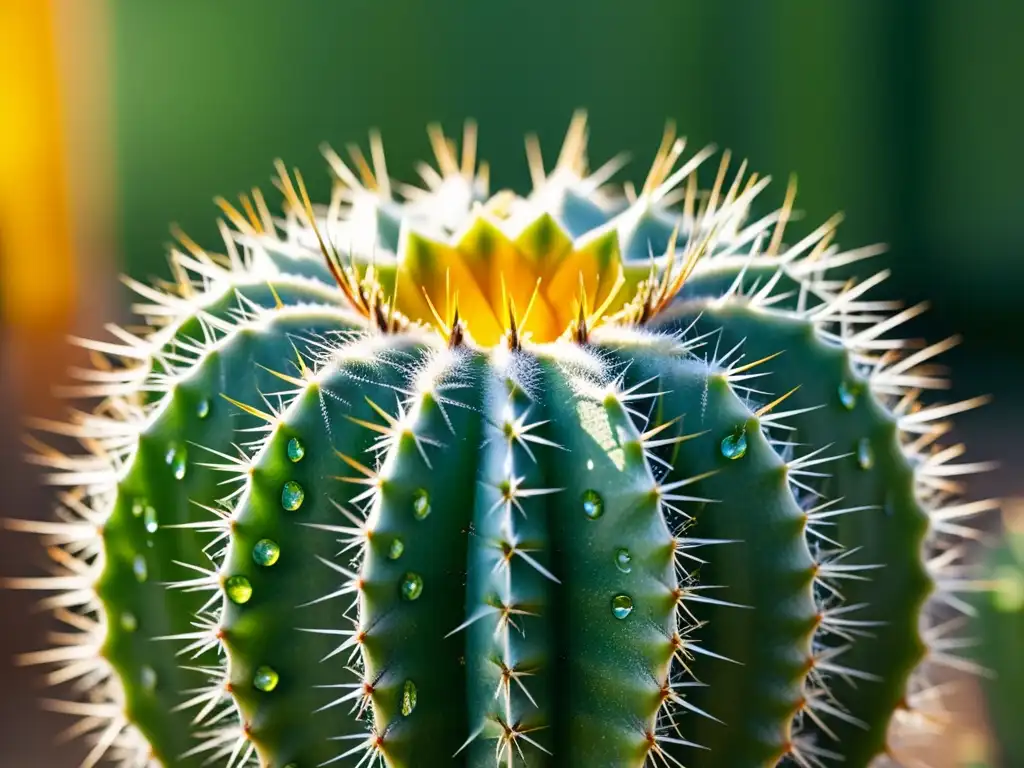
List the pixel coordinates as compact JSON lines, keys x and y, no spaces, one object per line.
{"x":1001,"y":628}
{"x":572,"y":479}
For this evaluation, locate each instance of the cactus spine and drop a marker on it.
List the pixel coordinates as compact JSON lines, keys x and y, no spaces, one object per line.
{"x":574,"y":478}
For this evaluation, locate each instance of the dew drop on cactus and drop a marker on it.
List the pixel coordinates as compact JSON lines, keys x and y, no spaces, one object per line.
{"x":140,"y":569}
{"x":138,"y":507}
{"x":593,"y":504}
{"x":148,"y":679}
{"x":266,"y":552}
{"x":734,"y":446}
{"x":865,"y":454}
{"x":149,"y":519}
{"x":265,"y":679}
{"x":128,"y":622}
{"x":409,"y":694}
{"x":624,"y":560}
{"x":177,"y":457}
{"x":622,"y":606}
{"x":847,"y":395}
{"x":421,"y":504}
{"x":238,"y":589}
{"x":296,"y":450}
{"x":396,"y":549}
{"x":203,"y":408}
{"x":412,"y":586}
{"x":292,"y":496}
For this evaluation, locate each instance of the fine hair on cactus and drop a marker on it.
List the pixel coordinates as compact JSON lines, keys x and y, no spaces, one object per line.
{"x":597,"y":475}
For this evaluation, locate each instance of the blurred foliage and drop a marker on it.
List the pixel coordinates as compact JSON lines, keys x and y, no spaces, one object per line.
{"x":1002,"y":635}
{"x":901,"y":114}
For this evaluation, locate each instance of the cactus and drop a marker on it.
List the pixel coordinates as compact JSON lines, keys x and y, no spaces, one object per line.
{"x":1001,"y":630}
{"x":578,"y":478}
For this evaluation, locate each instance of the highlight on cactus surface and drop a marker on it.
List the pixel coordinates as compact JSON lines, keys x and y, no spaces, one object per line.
{"x":590,"y":476}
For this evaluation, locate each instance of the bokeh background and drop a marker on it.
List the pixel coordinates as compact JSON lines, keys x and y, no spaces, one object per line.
{"x":120,"y":117}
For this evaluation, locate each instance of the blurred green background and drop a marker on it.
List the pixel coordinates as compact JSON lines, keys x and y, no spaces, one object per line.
{"x":905,"y":114}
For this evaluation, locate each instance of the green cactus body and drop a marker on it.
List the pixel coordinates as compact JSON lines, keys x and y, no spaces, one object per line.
{"x":511,"y":483}
{"x":886,"y":521}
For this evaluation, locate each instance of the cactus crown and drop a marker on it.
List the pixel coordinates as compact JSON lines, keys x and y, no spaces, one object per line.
{"x":463,"y":479}
{"x":466,"y":275}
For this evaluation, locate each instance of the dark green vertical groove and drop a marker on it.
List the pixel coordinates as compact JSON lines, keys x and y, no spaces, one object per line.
{"x":509,"y":652}
{"x":766,"y":567}
{"x":140,"y":543}
{"x":278,"y":627}
{"x":611,"y":671}
{"x":429,"y":506}
{"x":892,"y":535}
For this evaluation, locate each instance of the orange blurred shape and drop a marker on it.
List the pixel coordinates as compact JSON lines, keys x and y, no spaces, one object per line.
{"x":37,"y":280}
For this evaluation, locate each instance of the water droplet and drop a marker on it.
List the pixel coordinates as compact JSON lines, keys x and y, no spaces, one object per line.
{"x":296,"y":450}
{"x":266,"y":552}
{"x":292,"y":496}
{"x":396,"y":549}
{"x":408,"y":698}
{"x":265,"y":679}
{"x":147,"y":676}
{"x":176,"y":460}
{"x":847,"y":395}
{"x":624,"y":560}
{"x":149,"y":519}
{"x":622,"y":606}
{"x":865,"y":454}
{"x":139,"y":569}
{"x":203,"y":408}
{"x":412,"y":586}
{"x":138,"y":507}
{"x":238,"y":589}
{"x":128,"y":621}
{"x":420,"y":504}
{"x":593,"y":504}
{"x":734,"y":446}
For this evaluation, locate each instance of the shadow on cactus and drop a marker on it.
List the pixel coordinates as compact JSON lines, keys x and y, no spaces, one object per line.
{"x":587,"y":477}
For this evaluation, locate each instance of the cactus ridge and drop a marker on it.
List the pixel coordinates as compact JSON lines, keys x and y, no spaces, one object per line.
{"x":774,"y":629}
{"x":895,"y":492}
{"x":587,"y":477}
{"x":505,"y":636}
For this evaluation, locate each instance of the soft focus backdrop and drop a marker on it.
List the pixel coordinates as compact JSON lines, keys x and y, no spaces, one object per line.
{"x":120,"y":118}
